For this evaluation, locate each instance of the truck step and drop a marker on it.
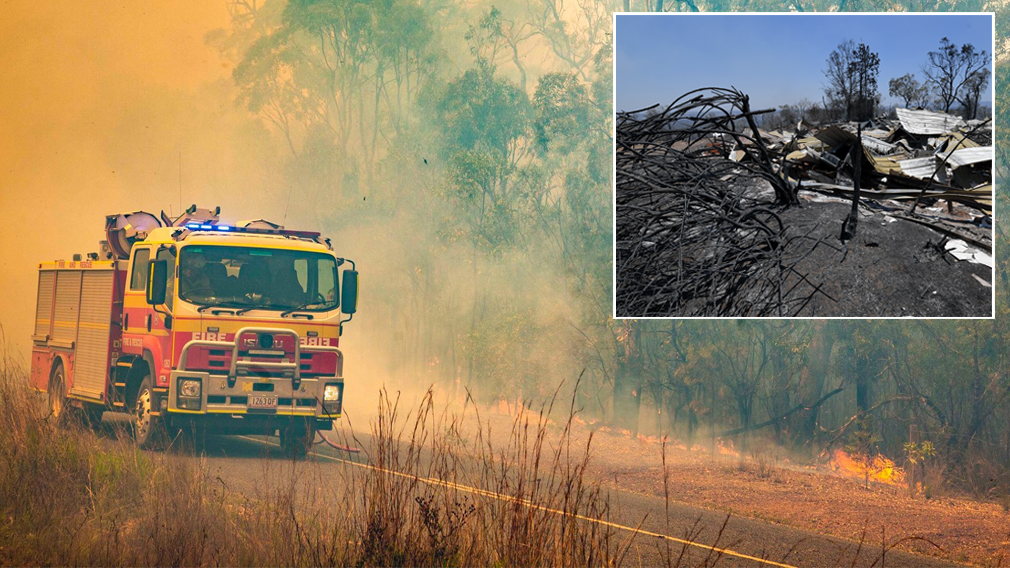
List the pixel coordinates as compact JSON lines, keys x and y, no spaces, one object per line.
{"x":119,"y":385}
{"x":118,"y":403}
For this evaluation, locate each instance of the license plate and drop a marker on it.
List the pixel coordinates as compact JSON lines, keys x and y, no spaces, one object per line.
{"x":262,"y":402}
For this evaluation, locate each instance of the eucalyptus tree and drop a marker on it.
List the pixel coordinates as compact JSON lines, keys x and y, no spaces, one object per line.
{"x":909,"y":90}
{"x":950,"y":69}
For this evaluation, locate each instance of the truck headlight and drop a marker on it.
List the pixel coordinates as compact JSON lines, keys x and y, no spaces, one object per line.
{"x":331,"y":393}
{"x":189,"y":388}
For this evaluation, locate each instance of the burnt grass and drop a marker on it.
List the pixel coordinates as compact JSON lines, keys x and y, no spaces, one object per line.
{"x":890,"y":269}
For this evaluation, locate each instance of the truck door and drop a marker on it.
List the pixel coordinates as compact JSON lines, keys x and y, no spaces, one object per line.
{"x":134,"y":305}
{"x":144,"y":331}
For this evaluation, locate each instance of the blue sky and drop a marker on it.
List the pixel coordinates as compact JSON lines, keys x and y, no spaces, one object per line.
{"x":776,"y":59}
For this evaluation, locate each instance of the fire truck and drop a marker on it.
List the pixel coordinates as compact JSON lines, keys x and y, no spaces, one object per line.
{"x":193,"y":324}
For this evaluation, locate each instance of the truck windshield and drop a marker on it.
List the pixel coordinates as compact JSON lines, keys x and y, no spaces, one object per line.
{"x":258,"y":278}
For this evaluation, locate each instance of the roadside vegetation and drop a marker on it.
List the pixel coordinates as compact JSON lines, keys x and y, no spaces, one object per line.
{"x":434,"y":488}
{"x":69,"y":496}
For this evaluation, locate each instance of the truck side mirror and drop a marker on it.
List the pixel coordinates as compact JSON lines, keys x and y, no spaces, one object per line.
{"x":349,"y":292}
{"x":157,"y":281}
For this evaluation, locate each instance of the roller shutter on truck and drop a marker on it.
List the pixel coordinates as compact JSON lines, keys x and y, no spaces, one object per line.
{"x":68,"y":302}
{"x":92,"y":363}
{"x":74,"y":316}
{"x":44,"y":306}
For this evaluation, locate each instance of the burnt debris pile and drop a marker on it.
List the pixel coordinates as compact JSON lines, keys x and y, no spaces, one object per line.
{"x":698,"y":233}
{"x":702,"y":191}
{"x":919,"y":155}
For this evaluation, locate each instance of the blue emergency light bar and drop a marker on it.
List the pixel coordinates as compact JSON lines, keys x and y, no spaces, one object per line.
{"x":205,"y":227}
{"x":227,"y":228}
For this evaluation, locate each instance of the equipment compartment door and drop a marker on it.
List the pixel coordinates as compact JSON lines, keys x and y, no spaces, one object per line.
{"x":92,"y":364}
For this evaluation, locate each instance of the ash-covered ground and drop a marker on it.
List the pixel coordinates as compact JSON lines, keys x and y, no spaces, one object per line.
{"x":894,"y":267}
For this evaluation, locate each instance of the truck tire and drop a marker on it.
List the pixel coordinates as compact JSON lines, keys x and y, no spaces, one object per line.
{"x":59,"y":406}
{"x":148,"y":431}
{"x":296,"y":439}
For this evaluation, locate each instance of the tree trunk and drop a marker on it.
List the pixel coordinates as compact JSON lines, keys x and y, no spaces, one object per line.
{"x":628,"y":379}
{"x":812,"y":385}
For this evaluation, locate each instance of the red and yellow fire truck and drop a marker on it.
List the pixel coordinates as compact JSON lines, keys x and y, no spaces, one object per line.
{"x":195,"y":324}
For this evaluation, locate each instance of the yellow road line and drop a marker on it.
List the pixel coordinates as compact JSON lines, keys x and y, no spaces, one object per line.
{"x":526,"y":502}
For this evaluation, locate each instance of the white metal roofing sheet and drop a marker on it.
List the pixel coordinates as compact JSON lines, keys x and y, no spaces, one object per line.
{"x":921,"y":168}
{"x":927,"y":122}
{"x":878,"y":146}
{"x":965,"y":156}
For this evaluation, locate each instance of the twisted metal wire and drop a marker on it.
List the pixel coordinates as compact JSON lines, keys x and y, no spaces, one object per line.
{"x":696,"y":235}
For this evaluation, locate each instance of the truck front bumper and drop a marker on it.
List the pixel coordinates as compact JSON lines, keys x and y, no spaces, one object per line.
{"x":216,"y":394}
{"x":274,"y":387}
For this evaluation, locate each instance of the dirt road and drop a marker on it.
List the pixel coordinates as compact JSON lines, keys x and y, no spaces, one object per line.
{"x":250,"y":465}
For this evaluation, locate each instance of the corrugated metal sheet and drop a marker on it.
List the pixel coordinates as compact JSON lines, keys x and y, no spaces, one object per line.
{"x":966,"y":156}
{"x":834,"y":136}
{"x":879,"y":146}
{"x":877,"y":133}
{"x":981,"y":196}
{"x":44,"y":303}
{"x":921,"y":168}
{"x":927,"y":122}
{"x":952,"y":140}
{"x":811,"y":142}
{"x":68,"y":295}
{"x":883,"y":164}
{"x":92,"y":363}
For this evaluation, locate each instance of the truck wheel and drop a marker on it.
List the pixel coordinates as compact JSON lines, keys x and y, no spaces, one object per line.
{"x":148,"y":431}
{"x":59,"y":405}
{"x":296,"y":439}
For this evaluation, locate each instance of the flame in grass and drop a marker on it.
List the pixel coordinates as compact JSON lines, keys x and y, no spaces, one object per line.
{"x":722,"y":447}
{"x":725,"y":447}
{"x":877,"y":468}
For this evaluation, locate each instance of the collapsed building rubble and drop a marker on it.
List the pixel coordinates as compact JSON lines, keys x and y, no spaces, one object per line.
{"x":922,"y":156}
{"x":700,"y":191}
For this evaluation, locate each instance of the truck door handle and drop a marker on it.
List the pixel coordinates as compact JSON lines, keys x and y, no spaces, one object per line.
{"x":148,"y":322}
{"x":126,"y":322}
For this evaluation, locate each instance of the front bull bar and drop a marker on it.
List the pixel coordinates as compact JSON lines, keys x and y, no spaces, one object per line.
{"x":294,"y":366}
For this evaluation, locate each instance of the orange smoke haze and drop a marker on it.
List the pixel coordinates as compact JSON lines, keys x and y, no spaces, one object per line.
{"x":101,"y":105}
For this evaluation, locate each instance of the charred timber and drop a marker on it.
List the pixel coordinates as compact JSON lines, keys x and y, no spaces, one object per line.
{"x":698,"y":232}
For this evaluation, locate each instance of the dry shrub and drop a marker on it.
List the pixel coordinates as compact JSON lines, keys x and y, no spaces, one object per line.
{"x":935,"y":481}
{"x":983,"y":477}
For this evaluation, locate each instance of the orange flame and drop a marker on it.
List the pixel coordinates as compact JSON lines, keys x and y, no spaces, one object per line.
{"x":878,"y":468}
{"x":726,"y":448}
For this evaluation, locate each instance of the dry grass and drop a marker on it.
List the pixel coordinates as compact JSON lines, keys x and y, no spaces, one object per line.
{"x":478,"y":502}
{"x":71,"y":497}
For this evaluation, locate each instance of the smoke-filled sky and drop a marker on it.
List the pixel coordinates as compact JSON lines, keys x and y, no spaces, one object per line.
{"x":775,"y":58}
{"x":114,"y":107}
{"x":103,"y":106}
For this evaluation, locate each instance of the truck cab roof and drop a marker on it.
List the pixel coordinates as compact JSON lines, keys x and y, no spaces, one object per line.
{"x":291,"y":240}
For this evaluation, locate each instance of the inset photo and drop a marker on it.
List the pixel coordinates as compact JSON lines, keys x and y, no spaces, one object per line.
{"x":793,"y":165}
